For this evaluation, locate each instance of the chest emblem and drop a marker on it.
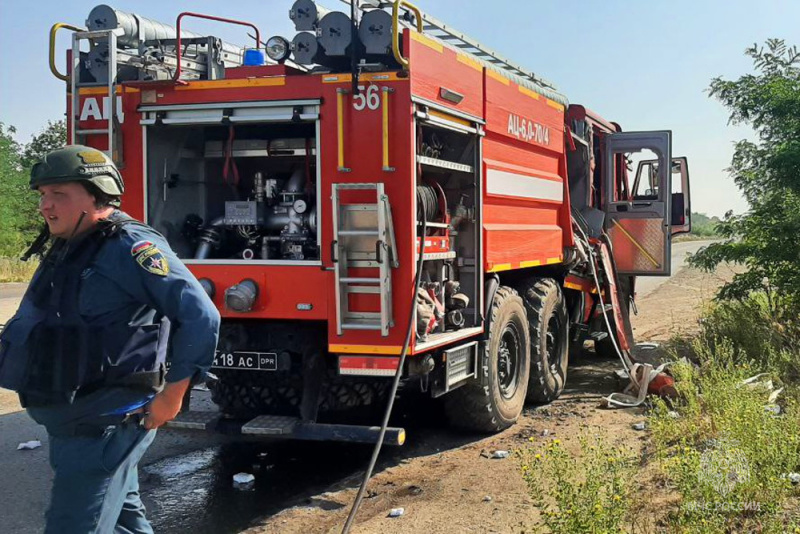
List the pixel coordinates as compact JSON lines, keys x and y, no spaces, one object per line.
{"x":150,"y":258}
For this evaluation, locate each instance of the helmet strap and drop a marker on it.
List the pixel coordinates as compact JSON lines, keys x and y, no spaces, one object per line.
{"x":38,"y":244}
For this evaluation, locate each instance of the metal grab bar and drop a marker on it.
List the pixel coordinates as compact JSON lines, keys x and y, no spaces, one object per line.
{"x":177,"y":76}
{"x":340,"y":129}
{"x":396,"y":28}
{"x":57,"y":26}
{"x":385,"y":130}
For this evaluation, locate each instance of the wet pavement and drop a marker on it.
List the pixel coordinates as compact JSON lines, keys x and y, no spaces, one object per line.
{"x":193,"y":492}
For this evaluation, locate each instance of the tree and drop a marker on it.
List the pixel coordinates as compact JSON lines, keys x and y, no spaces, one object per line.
{"x":767,"y":171}
{"x":53,"y":136}
{"x":18,"y":218}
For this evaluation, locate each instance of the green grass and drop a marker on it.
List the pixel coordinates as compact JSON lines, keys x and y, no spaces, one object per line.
{"x":725,"y":454}
{"x":14,"y":270}
{"x":718,"y":456}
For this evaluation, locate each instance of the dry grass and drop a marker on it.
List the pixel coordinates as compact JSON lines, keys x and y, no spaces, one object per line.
{"x":14,"y":270}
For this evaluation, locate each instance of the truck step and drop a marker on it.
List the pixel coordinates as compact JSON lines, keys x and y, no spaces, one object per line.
{"x":195,"y":420}
{"x":270,"y":425}
{"x":285,"y":427}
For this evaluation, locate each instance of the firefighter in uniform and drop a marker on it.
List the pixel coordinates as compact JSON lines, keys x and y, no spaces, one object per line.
{"x":87,"y":349}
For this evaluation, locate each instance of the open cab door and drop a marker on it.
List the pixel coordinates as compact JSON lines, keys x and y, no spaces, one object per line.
{"x":639,"y":220}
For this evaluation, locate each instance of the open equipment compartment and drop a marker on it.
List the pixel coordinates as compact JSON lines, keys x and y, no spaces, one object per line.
{"x":235,"y":182}
{"x":448,"y":197}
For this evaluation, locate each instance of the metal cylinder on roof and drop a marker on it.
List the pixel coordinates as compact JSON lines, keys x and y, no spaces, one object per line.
{"x":306,"y":49}
{"x":305,"y":14}
{"x":335,"y":33}
{"x":375,"y":32}
{"x":137,"y":28}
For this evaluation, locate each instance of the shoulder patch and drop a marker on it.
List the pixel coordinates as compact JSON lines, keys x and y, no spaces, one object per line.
{"x":150,"y":258}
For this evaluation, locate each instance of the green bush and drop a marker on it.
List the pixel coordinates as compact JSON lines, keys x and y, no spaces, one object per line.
{"x":756,"y":333}
{"x":577,"y":493}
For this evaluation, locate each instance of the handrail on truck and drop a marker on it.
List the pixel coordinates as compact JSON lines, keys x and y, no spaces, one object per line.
{"x":396,"y":28}
{"x":177,"y":76}
{"x":52,"y":47}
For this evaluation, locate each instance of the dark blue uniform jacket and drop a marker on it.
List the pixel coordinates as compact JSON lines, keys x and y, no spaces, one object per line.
{"x":136,"y":268}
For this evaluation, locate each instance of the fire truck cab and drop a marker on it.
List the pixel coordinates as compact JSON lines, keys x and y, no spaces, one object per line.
{"x":377,"y":195}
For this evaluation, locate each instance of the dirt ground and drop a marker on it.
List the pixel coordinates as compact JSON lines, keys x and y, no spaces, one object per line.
{"x":461,"y":488}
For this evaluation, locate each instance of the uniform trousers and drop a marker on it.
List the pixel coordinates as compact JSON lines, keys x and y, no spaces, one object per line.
{"x":96,"y":482}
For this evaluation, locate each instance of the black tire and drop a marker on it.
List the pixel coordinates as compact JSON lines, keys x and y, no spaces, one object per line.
{"x":604,"y":348}
{"x":549,"y":331}
{"x":495,"y":400}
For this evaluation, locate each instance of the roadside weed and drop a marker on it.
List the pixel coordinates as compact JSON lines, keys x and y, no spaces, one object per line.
{"x":585,"y":491}
{"x":14,"y":270}
{"x":727,"y":453}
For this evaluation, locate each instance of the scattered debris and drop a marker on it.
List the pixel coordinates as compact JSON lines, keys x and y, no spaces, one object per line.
{"x":672,"y":414}
{"x":397,"y":512}
{"x":794,"y":478}
{"x":639,"y":426}
{"x":774,"y":396}
{"x":545,"y":433}
{"x":488,"y":498}
{"x":243,"y":481}
{"x":499,"y":455}
{"x":29,"y":445}
{"x":773,"y":409}
{"x":753,"y":381}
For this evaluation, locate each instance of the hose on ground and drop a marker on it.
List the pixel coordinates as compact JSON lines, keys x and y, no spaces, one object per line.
{"x":376,"y":451}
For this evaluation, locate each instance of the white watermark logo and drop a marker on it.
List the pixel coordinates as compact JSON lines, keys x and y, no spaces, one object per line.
{"x":723,"y":466}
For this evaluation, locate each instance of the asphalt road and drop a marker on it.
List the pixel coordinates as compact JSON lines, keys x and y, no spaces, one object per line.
{"x":186,"y":477}
{"x":648,"y":284}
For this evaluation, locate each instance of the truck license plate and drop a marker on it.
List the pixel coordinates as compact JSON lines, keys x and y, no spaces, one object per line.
{"x":253,"y":361}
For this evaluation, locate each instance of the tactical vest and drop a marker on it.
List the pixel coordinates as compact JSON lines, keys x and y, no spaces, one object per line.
{"x":50,"y":354}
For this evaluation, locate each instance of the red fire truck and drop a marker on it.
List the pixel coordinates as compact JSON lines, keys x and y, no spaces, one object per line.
{"x":378,"y":196}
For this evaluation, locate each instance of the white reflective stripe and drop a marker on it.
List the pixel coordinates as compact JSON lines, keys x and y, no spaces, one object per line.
{"x":519,"y":185}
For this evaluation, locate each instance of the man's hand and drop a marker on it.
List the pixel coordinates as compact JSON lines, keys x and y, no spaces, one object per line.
{"x":165,"y":406}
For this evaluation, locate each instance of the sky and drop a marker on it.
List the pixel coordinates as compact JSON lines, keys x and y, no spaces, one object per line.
{"x":645,"y":64}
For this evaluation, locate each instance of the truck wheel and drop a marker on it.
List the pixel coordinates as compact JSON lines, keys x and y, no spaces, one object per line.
{"x":495,"y":400}
{"x":605,"y":347}
{"x":549,"y":329}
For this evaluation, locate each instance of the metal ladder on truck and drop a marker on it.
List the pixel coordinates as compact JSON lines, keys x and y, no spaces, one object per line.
{"x":363,"y":237}
{"x":109,"y":99}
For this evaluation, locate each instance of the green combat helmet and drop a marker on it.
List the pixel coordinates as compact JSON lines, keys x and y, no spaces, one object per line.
{"x":76,"y":163}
